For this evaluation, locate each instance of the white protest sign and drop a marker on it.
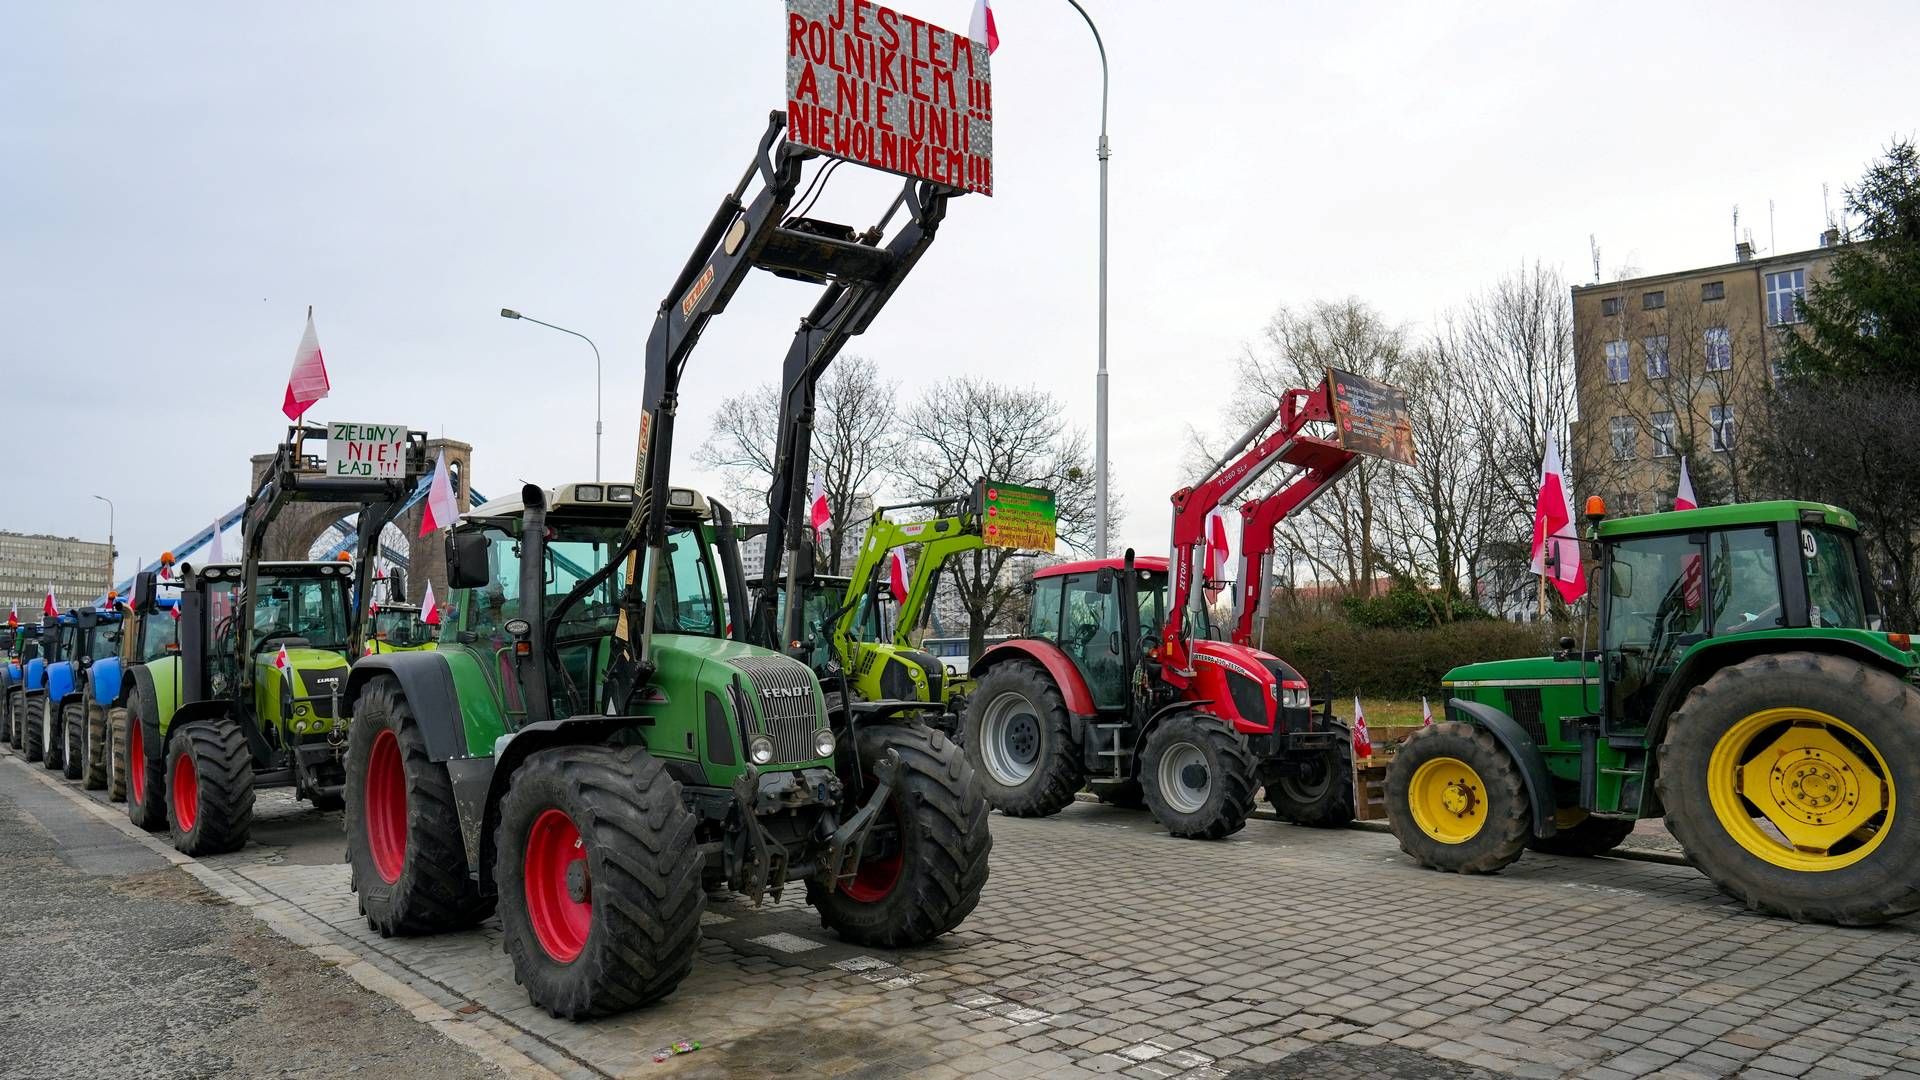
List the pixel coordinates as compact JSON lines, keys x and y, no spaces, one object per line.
{"x":372,"y":451}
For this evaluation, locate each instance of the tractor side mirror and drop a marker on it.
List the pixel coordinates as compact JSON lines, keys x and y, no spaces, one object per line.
{"x":1620,"y":580}
{"x":144,"y":588}
{"x":397,"y":585}
{"x":467,"y":560}
{"x":1104,"y":582}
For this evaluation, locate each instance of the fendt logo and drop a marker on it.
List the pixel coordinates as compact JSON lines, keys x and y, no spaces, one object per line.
{"x":784,"y":691}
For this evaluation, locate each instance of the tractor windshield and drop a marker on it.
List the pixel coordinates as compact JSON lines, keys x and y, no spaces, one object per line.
{"x":1833,"y":581}
{"x":313,"y":610}
{"x":399,"y":626}
{"x":159,"y":635}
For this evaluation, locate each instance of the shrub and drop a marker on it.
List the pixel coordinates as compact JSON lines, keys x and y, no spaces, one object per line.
{"x":1342,"y":659}
{"x":1406,"y":606}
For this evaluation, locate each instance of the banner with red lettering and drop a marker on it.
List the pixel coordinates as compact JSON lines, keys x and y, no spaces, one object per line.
{"x":879,"y":88}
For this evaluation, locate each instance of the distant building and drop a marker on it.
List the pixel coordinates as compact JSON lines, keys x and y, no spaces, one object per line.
{"x":1669,"y":365}
{"x":753,"y":552}
{"x":77,"y":570}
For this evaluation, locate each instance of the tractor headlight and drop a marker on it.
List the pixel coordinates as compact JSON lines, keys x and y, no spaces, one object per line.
{"x":823,"y":744}
{"x":1295,"y":699}
{"x":760,"y":750}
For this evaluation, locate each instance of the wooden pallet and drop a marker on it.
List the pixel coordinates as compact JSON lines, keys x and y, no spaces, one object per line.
{"x":1370,"y":773}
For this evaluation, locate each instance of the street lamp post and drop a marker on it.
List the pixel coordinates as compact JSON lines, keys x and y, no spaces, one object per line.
{"x":110,"y":552}
{"x":509,"y":313}
{"x":1100,"y":381}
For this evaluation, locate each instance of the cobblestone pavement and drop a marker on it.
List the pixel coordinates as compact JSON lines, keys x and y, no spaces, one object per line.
{"x":1102,"y":946}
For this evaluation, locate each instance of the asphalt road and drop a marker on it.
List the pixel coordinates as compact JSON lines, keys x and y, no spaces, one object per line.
{"x":116,"y":964}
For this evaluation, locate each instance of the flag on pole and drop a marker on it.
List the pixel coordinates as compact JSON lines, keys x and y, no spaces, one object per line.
{"x":1213,"y":566}
{"x":218,"y":554}
{"x":1362,"y":742}
{"x":1683,"y":499}
{"x":1553,"y":529}
{"x":307,"y":383}
{"x":1426,"y":712}
{"x":818,"y":512}
{"x":13,"y":616}
{"x":429,"y":608}
{"x":983,"y":28}
{"x":897,"y":576}
{"x":280,"y":660}
{"x":175,"y":611}
{"x":50,"y":608}
{"x":441,"y":507}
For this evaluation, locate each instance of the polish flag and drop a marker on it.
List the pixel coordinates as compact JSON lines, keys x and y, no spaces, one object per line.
{"x":175,"y":611}
{"x":1683,"y":499}
{"x":166,"y":564}
{"x":1362,"y":742}
{"x":897,"y":576}
{"x":429,"y":610}
{"x":1213,"y":566}
{"x":1553,"y":524}
{"x":50,"y":609}
{"x":308,"y":382}
{"x":818,"y":513}
{"x":1426,"y":713}
{"x":13,"y":616}
{"x":280,"y":659}
{"x":983,"y":27}
{"x":441,"y":507}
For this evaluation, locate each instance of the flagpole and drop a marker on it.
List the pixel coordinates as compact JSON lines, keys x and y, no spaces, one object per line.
{"x":1100,"y":380}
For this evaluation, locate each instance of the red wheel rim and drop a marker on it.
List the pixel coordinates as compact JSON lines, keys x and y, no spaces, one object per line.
{"x":877,"y":877}
{"x":560,"y":923}
{"x":186,"y":792}
{"x":136,"y":767}
{"x":386,"y":807}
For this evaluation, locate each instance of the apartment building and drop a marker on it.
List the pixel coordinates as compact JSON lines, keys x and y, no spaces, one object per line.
{"x":76,"y":570}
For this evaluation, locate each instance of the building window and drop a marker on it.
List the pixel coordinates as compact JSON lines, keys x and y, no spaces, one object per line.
{"x":1719,"y":348}
{"x":1619,"y":366}
{"x":1610,"y":306}
{"x":1652,"y":300}
{"x":1721,"y":417}
{"x":1656,"y":350}
{"x":1629,"y":503}
{"x":1622,"y":433}
{"x":1713,"y":290}
{"x":1663,"y":434}
{"x":1784,"y":291}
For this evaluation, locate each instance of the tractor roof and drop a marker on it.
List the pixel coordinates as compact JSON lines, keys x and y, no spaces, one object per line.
{"x":1151,"y":563}
{"x":616,"y":499}
{"x":1723,"y":517}
{"x":271,"y":570}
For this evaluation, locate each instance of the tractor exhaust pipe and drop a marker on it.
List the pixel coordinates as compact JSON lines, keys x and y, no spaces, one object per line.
{"x":533,"y":602}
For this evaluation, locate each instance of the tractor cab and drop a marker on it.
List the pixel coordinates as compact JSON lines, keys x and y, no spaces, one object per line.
{"x":398,"y":626}
{"x":1104,"y":617}
{"x":823,"y":597}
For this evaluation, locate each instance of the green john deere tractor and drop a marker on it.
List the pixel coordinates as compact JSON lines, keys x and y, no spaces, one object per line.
{"x":1742,"y":689}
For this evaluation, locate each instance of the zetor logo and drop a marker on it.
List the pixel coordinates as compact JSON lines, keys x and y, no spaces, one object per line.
{"x":784,"y":691}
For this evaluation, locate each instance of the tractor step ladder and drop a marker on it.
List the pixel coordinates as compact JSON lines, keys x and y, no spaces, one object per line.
{"x":1119,"y":754}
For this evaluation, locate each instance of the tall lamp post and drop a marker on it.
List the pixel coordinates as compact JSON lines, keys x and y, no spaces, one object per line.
{"x":110,"y":552}
{"x":509,"y":313}
{"x":1100,"y":383}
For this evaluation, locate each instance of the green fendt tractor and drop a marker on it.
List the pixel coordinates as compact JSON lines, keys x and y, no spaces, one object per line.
{"x":1742,"y":689}
{"x":252,"y":696}
{"x":588,"y":746}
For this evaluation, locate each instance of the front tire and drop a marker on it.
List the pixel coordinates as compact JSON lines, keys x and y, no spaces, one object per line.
{"x":1456,"y":802}
{"x":209,"y":787}
{"x":73,"y":734}
{"x":1197,"y":774}
{"x":598,"y":875}
{"x":93,"y":756}
{"x":34,"y":728}
{"x":408,"y":861}
{"x":932,"y":879}
{"x":1019,"y":742}
{"x":1781,"y":777}
{"x":1316,"y":792}
{"x":146,"y":758}
{"x":116,"y":755}
{"x":6,"y":719}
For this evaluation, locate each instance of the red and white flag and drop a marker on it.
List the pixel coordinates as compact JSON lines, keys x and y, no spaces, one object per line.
{"x":166,"y":564}
{"x":818,"y":512}
{"x":429,"y":608}
{"x":983,"y":27}
{"x":1683,"y":499}
{"x":13,"y":615}
{"x":441,"y":506}
{"x":218,"y":554}
{"x":1362,"y":742}
{"x":175,"y":611}
{"x":280,"y":659}
{"x":897,"y":575}
{"x":1214,"y":565}
{"x":1426,"y":712}
{"x":50,"y":608}
{"x":307,"y":383}
{"x":1553,"y":525}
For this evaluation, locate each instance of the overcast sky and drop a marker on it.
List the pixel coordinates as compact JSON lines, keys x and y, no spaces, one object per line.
{"x":178,"y":183}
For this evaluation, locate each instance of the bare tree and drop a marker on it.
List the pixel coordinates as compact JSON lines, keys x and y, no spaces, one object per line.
{"x":965,"y":429}
{"x":855,"y":433}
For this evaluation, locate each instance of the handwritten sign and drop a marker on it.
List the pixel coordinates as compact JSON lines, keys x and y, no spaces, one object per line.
{"x":879,"y":88}
{"x":375,"y":451}
{"x":1012,"y":516}
{"x":1372,"y":416}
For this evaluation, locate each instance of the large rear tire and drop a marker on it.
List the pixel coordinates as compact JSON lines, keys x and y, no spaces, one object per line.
{"x":116,"y":755}
{"x":34,"y":729}
{"x":1019,"y":741}
{"x":93,"y":757}
{"x":52,"y":735}
{"x":73,"y":747}
{"x":1316,"y":791}
{"x":930,"y":879}
{"x":6,"y":718}
{"x":1789,"y":780}
{"x":1456,"y":802}
{"x":598,"y":873}
{"x":209,"y":787}
{"x":1586,"y":838}
{"x":146,"y":758}
{"x":404,"y":844}
{"x":1198,"y":777}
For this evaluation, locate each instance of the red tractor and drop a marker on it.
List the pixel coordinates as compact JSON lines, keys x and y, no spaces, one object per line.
{"x":1118,"y":685}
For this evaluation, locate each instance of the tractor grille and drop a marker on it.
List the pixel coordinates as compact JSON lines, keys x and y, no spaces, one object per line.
{"x":936,"y":672}
{"x":1524,"y":706}
{"x":784,"y":689}
{"x":320,"y":683}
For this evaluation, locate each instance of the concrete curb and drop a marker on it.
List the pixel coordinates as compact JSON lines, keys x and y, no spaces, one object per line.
{"x":336,"y":950}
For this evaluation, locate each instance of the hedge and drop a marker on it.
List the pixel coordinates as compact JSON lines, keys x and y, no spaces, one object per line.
{"x":1343,"y":659}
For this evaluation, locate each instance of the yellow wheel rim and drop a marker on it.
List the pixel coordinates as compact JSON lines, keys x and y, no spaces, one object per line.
{"x":1801,"y":789}
{"x":1448,"y":800}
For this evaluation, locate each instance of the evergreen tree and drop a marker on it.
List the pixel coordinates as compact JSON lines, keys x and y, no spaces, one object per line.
{"x":1864,"y":320}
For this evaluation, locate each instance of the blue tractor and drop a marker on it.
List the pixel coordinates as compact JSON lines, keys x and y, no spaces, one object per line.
{"x":23,"y":644}
{"x":30,"y":703}
{"x":86,"y":674}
